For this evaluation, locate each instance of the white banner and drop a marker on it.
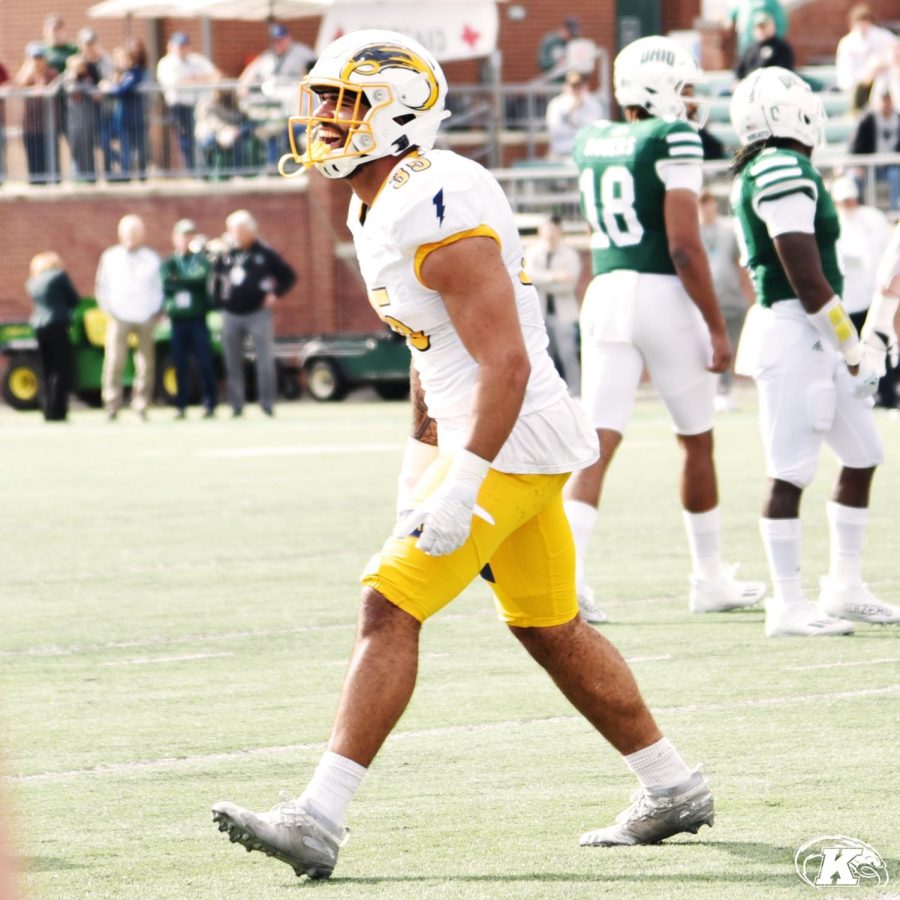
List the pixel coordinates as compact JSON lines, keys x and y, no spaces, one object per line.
{"x":452,"y":29}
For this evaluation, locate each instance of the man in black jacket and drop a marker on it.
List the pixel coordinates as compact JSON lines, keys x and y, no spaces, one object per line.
{"x":878,"y":131}
{"x":248,"y":278}
{"x":767,"y":49}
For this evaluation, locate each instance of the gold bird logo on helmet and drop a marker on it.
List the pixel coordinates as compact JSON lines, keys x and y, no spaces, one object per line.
{"x":373,"y":59}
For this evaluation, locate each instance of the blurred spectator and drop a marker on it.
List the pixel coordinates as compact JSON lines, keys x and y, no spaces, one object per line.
{"x":185,"y":280}
{"x":552,"y":52}
{"x":742,"y":14}
{"x":222,"y":131}
{"x":865,"y":234}
{"x":713,"y":148}
{"x":889,"y":77}
{"x":719,"y":240}
{"x":129,"y":115}
{"x":136,"y":47}
{"x":97,"y":59}
{"x":554,"y":268}
{"x":885,"y":301}
{"x":878,"y":131}
{"x":82,"y":118}
{"x":101,"y":68}
{"x":767,"y":49}
{"x":274,"y":77}
{"x":248,"y":278}
{"x":57,"y":47}
{"x":4,"y":79}
{"x":55,"y":298}
{"x":178,"y":72}
{"x":40,"y":144}
{"x":58,"y":52}
{"x":861,"y":54}
{"x":568,"y":113}
{"x":129,"y":289}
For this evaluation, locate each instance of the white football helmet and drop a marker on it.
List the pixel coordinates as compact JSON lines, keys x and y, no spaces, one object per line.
{"x":390,"y":94}
{"x":774,"y":102}
{"x":656,"y":73}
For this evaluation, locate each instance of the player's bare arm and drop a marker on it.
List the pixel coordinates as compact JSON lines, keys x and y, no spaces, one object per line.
{"x":424,"y":428}
{"x":476,"y":289}
{"x":799,"y":255}
{"x":692,"y":266}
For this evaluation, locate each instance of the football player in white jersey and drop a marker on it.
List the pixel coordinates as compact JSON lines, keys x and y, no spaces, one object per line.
{"x":495,"y":438}
{"x":652,"y":304}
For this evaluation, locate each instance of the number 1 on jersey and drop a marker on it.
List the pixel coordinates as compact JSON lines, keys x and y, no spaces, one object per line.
{"x":620,"y":226}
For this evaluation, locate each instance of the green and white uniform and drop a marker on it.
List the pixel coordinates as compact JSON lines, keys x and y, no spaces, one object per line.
{"x":781,"y":173}
{"x":805,"y":390}
{"x":636,"y":311}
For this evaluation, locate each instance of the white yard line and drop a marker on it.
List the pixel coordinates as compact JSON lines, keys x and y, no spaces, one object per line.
{"x":151,"y":660}
{"x":161,"y":641}
{"x":179,"y":762}
{"x":836,"y":665}
{"x":299,"y":450}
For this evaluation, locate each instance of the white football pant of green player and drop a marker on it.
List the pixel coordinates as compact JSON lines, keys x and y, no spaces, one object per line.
{"x":814,"y":376}
{"x":652,"y":304}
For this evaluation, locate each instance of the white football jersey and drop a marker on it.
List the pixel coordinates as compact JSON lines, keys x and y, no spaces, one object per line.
{"x":430,"y":200}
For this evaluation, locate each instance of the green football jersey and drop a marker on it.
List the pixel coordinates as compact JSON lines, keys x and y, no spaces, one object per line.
{"x":622,"y":193}
{"x":779,"y":173}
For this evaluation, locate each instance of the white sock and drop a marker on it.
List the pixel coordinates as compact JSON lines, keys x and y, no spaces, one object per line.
{"x":846,"y":529}
{"x":582,"y":519}
{"x":781,"y":538}
{"x":703,"y":531}
{"x":659,"y":766}
{"x":331,"y":789}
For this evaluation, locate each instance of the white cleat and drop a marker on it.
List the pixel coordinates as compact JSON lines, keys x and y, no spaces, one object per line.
{"x":802,"y":620}
{"x":287,"y":832}
{"x":724,"y":593}
{"x":855,"y":602}
{"x":589,"y":610}
{"x":725,"y":403}
{"x":653,"y":817}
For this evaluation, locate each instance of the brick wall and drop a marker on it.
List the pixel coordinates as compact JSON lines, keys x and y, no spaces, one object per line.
{"x":817,"y":27}
{"x":301,"y":224}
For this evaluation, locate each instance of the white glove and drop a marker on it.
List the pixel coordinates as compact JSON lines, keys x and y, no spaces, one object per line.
{"x":871,"y":370}
{"x":417,"y":457}
{"x":445,"y":518}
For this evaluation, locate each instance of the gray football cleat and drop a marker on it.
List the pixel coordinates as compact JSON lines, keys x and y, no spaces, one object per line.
{"x":287,"y":832}
{"x":653,"y":817}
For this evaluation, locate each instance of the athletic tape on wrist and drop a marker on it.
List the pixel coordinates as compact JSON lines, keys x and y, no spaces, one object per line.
{"x":833,"y":323}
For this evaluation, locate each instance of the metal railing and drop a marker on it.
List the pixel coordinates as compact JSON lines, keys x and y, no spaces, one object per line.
{"x":553,"y":189}
{"x":82,"y":134}
{"x":70,"y":132}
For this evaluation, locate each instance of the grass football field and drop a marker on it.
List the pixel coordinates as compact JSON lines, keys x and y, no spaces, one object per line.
{"x":178,"y":603}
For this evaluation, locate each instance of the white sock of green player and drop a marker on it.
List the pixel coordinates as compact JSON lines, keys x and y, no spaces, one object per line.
{"x":846,"y":529}
{"x":331,"y":788}
{"x":582,"y":519}
{"x":658,"y":766}
{"x":704,"y":539}
{"x":781,"y":539}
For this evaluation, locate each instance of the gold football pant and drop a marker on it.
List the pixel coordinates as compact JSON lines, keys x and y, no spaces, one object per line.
{"x":527,"y":555}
